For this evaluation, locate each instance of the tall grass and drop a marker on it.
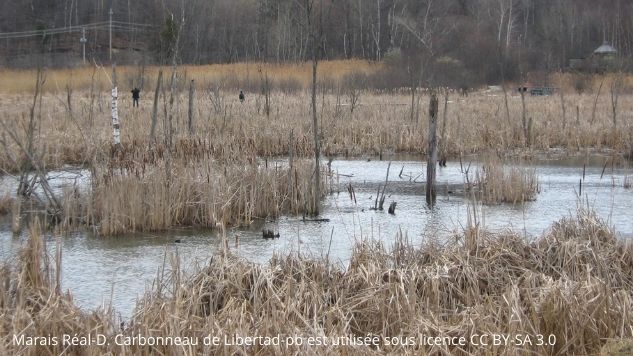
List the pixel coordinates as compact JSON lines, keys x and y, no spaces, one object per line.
{"x":202,"y":193}
{"x":496,"y":183}
{"x":74,"y":127}
{"x":573,"y":284}
{"x":233,"y":76}
{"x":32,"y":304}
{"x":380,"y":123}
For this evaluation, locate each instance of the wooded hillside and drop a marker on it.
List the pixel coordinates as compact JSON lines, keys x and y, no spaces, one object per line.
{"x":470,"y":39}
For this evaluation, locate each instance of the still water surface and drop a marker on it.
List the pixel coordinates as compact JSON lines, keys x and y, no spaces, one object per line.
{"x":117,"y":270}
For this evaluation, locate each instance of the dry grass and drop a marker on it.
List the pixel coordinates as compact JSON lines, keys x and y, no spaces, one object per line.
{"x":618,"y":348}
{"x":571,"y":82}
{"x":380,"y":123}
{"x":201,"y":193}
{"x":31,"y":304}
{"x":228,"y":136}
{"x":575,"y":283}
{"x":496,"y":183}
{"x":247,"y":74}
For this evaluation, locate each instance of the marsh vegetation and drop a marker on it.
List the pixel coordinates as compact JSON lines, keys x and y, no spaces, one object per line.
{"x":200,"y":158}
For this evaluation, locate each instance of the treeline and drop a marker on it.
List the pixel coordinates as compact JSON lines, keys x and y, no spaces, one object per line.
{"x":481,"y":41}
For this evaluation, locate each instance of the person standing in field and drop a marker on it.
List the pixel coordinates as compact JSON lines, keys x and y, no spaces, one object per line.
{"x":136,"y":94}
{"x":241,"y":96}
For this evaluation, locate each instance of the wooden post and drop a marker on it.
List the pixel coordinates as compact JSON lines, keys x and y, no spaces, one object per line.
{"x":190,"y":122}
{"x":432,"y":152}
{"x":524,"y":118}
{"x":116,"y":126}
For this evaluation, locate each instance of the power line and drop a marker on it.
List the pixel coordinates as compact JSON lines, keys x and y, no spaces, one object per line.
{"x":120,"y":25}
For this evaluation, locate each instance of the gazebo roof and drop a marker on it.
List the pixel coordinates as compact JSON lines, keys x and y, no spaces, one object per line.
{"x":606,"y":48}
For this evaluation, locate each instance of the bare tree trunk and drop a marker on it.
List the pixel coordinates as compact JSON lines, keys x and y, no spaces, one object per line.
{"x":505,"y":101}
{"x":432,"y":152}
{"x":266,"y":92}
{"x":315,"y":122}
{"x":563,"y":108}
{"x":168,"y":124}
{"x":524,"y":122}
{"x":595,"y":103}
{"x":116,"y":125}
{"x":315,"y":129}
{"x":190,"y":112}
{"x":413,"y":88}
{"x":443,"y":131}
{"x":291,"y":149}
{"x":615,"y":96}
{"x":152,"y":133}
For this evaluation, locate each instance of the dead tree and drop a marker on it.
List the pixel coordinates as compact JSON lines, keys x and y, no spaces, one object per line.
{"x":116,"y":124}
{"x":27,"y":160}
{"x":152,"y":133}
{"x":524,"y":123}
{"x":315,"y":40}
{"x":190,"y":112}
{"x":615,"y":96}
{"x":595,"y":103}
{"x":563,"y":107}
{"x":168,"y":125}
{"x":432,"y":152}
{"x":265,"y":86}
{"x":443,"y":144}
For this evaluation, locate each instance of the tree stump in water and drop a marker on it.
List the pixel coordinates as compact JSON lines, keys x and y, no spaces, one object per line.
{"x":392,"y":208}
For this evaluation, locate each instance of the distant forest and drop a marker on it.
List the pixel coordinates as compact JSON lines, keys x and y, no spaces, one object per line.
{"x":482,"y":41}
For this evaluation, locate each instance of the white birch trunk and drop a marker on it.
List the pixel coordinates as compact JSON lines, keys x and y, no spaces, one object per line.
{"x":116,"y":126}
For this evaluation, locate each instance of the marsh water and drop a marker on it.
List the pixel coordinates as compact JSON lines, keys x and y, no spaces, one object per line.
{"x":117,"y":270}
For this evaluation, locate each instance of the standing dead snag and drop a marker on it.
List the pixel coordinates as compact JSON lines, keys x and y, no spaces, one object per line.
{"x":152,"y":133}
{"x":443,"y":139}
{"x":190,"y":112}
{"x":315,"y":38}
{"x":524,"y":123}
{"x":563,"y":107}
{"x":595,"y":103}
{"x":265,"y":82}
{"x":432,"y":152}
{"x":615,"y":95}
{"x":116,"y":126}
{"x":380,"y":196}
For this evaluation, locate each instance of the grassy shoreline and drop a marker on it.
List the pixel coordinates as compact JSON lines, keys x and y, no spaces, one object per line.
{"x":575,"y":282}
{"x":179,"y":169}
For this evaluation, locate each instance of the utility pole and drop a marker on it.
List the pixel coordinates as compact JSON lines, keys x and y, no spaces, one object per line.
{"x":83,"y":41}
{"x":111,"y":13}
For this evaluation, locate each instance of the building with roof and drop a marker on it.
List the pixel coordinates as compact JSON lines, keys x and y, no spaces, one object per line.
{"x":602,"y":59}
{"x":605,"y":50}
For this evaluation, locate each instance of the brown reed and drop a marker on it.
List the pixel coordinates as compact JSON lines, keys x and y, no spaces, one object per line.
{"x":496,"y":183}
{"x":573,"y":284}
